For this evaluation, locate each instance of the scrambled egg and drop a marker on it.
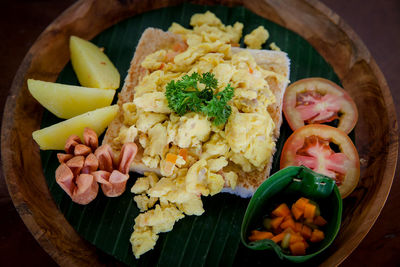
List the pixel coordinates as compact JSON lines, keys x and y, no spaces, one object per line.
{"x":256,"y":38}
{"x":190,"y":151}
{"x":274,"y":47}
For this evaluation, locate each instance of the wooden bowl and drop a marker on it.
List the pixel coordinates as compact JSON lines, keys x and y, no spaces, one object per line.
{"x":376,"y":131}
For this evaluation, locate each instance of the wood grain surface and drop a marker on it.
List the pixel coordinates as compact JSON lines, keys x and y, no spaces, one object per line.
{"x":376,"y":134}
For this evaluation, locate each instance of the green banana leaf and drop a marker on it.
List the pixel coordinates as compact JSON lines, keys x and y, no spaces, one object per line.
{"x":212,"y":239}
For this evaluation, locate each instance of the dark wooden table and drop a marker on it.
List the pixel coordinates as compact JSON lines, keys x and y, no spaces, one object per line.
{"x":377,"y":23}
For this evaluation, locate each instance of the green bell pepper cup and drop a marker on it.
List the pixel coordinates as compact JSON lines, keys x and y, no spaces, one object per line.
{"x":286,"y":186}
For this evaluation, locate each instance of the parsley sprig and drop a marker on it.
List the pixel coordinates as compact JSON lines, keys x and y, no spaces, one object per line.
{"x":184,"y":96}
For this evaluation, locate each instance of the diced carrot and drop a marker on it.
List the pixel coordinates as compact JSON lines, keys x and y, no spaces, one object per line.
{"x":292,"y":228}
{"x":297,"y":213}
{"x":317,"y":236}
{"x":281,"y":211}
{"x":260,"y":235}
{"x":298,"y":248}
{"x":301,"y":203}
{"x":278,"y":238}
{"x":288,"y":224}
{"x":169,"y":56}
{"x":183,"y":153}
{"x":276,"y":222}
{"x":171,"y":157}
{"x":320,"y":221}
{"x":306,"y":232}
{"x":296,"y":238}
{"x":179,"y":46}
{"x":289,"y":217}
{"x":309,"y":211}
{"x":250,"y":70}
{"x":298,"y":226}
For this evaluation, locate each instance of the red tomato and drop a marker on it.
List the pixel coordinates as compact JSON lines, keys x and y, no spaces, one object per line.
{"x":311,"y":146}
{"x":317,"y":100}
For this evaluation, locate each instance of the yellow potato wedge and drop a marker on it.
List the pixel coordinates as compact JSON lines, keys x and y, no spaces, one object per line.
{"x":92,"y":66}
{"x":54,"y":137}
{"x":67,"y":101}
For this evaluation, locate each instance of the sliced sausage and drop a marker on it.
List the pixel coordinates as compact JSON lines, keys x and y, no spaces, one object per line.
{"x":86,"y":189}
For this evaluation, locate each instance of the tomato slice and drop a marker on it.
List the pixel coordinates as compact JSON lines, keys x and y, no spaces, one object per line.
{"x":311,"y":146}
{"x":317,"y":100}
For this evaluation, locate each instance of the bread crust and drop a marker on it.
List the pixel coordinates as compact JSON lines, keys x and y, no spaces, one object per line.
{"x":155,"y":39}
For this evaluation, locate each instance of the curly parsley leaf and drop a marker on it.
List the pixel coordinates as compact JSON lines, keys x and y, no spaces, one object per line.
{"x":184,"y":96}
{"x":208,"y":79}
{"x":218,"y":108}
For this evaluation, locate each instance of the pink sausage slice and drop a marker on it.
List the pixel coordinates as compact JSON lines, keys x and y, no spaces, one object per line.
{"x":86,"y":189}
{"x":65,"y":178}
{"x":71,"y":142}
{"x":90,"y":138}
{"x":104,"y":155}
{"x":82,"y":150}
{"x":113,"y":184}
{"x":76,"y":164}
{"x":128,"y":153}
{"x":62,"y":158}
{"x":91,"y":164}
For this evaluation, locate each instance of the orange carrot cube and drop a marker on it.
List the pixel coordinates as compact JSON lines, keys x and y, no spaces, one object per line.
{"x":301,"y":203}
{"x":309,"y":211}
{"x":297,"y":248}
{"x":317,"y":236}
{"x":289,"y":217}
{"x":276,"y":222}
{"x":288,"y":224}
{"x":278,"y":238}
{"x":320,"y":221}
{"x":281,"y":211}
{"x":260,"y":235}
{"x":298,"y":226}
{"x":171,"y":157}
{"x":183,"y":153}
{"x":297,"y":213}
{"x":296,"y":238}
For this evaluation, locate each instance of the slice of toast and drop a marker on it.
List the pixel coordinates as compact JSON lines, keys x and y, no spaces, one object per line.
{"x":277,"y":62}
{"x":155,"y":39}
{"x":151,"y":41}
